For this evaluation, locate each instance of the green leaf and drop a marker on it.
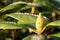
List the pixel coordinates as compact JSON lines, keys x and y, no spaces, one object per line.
{"x":40,"y":2}
{"x":11,"y":8}
{"x":11,"y":25}
{"x":25,"y":8}
{"x":55,"y":23}
{"x":24,"y":18}
{"x":55,"y":34}
{"x":35,"y":37}
{"x":27,"y":38}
